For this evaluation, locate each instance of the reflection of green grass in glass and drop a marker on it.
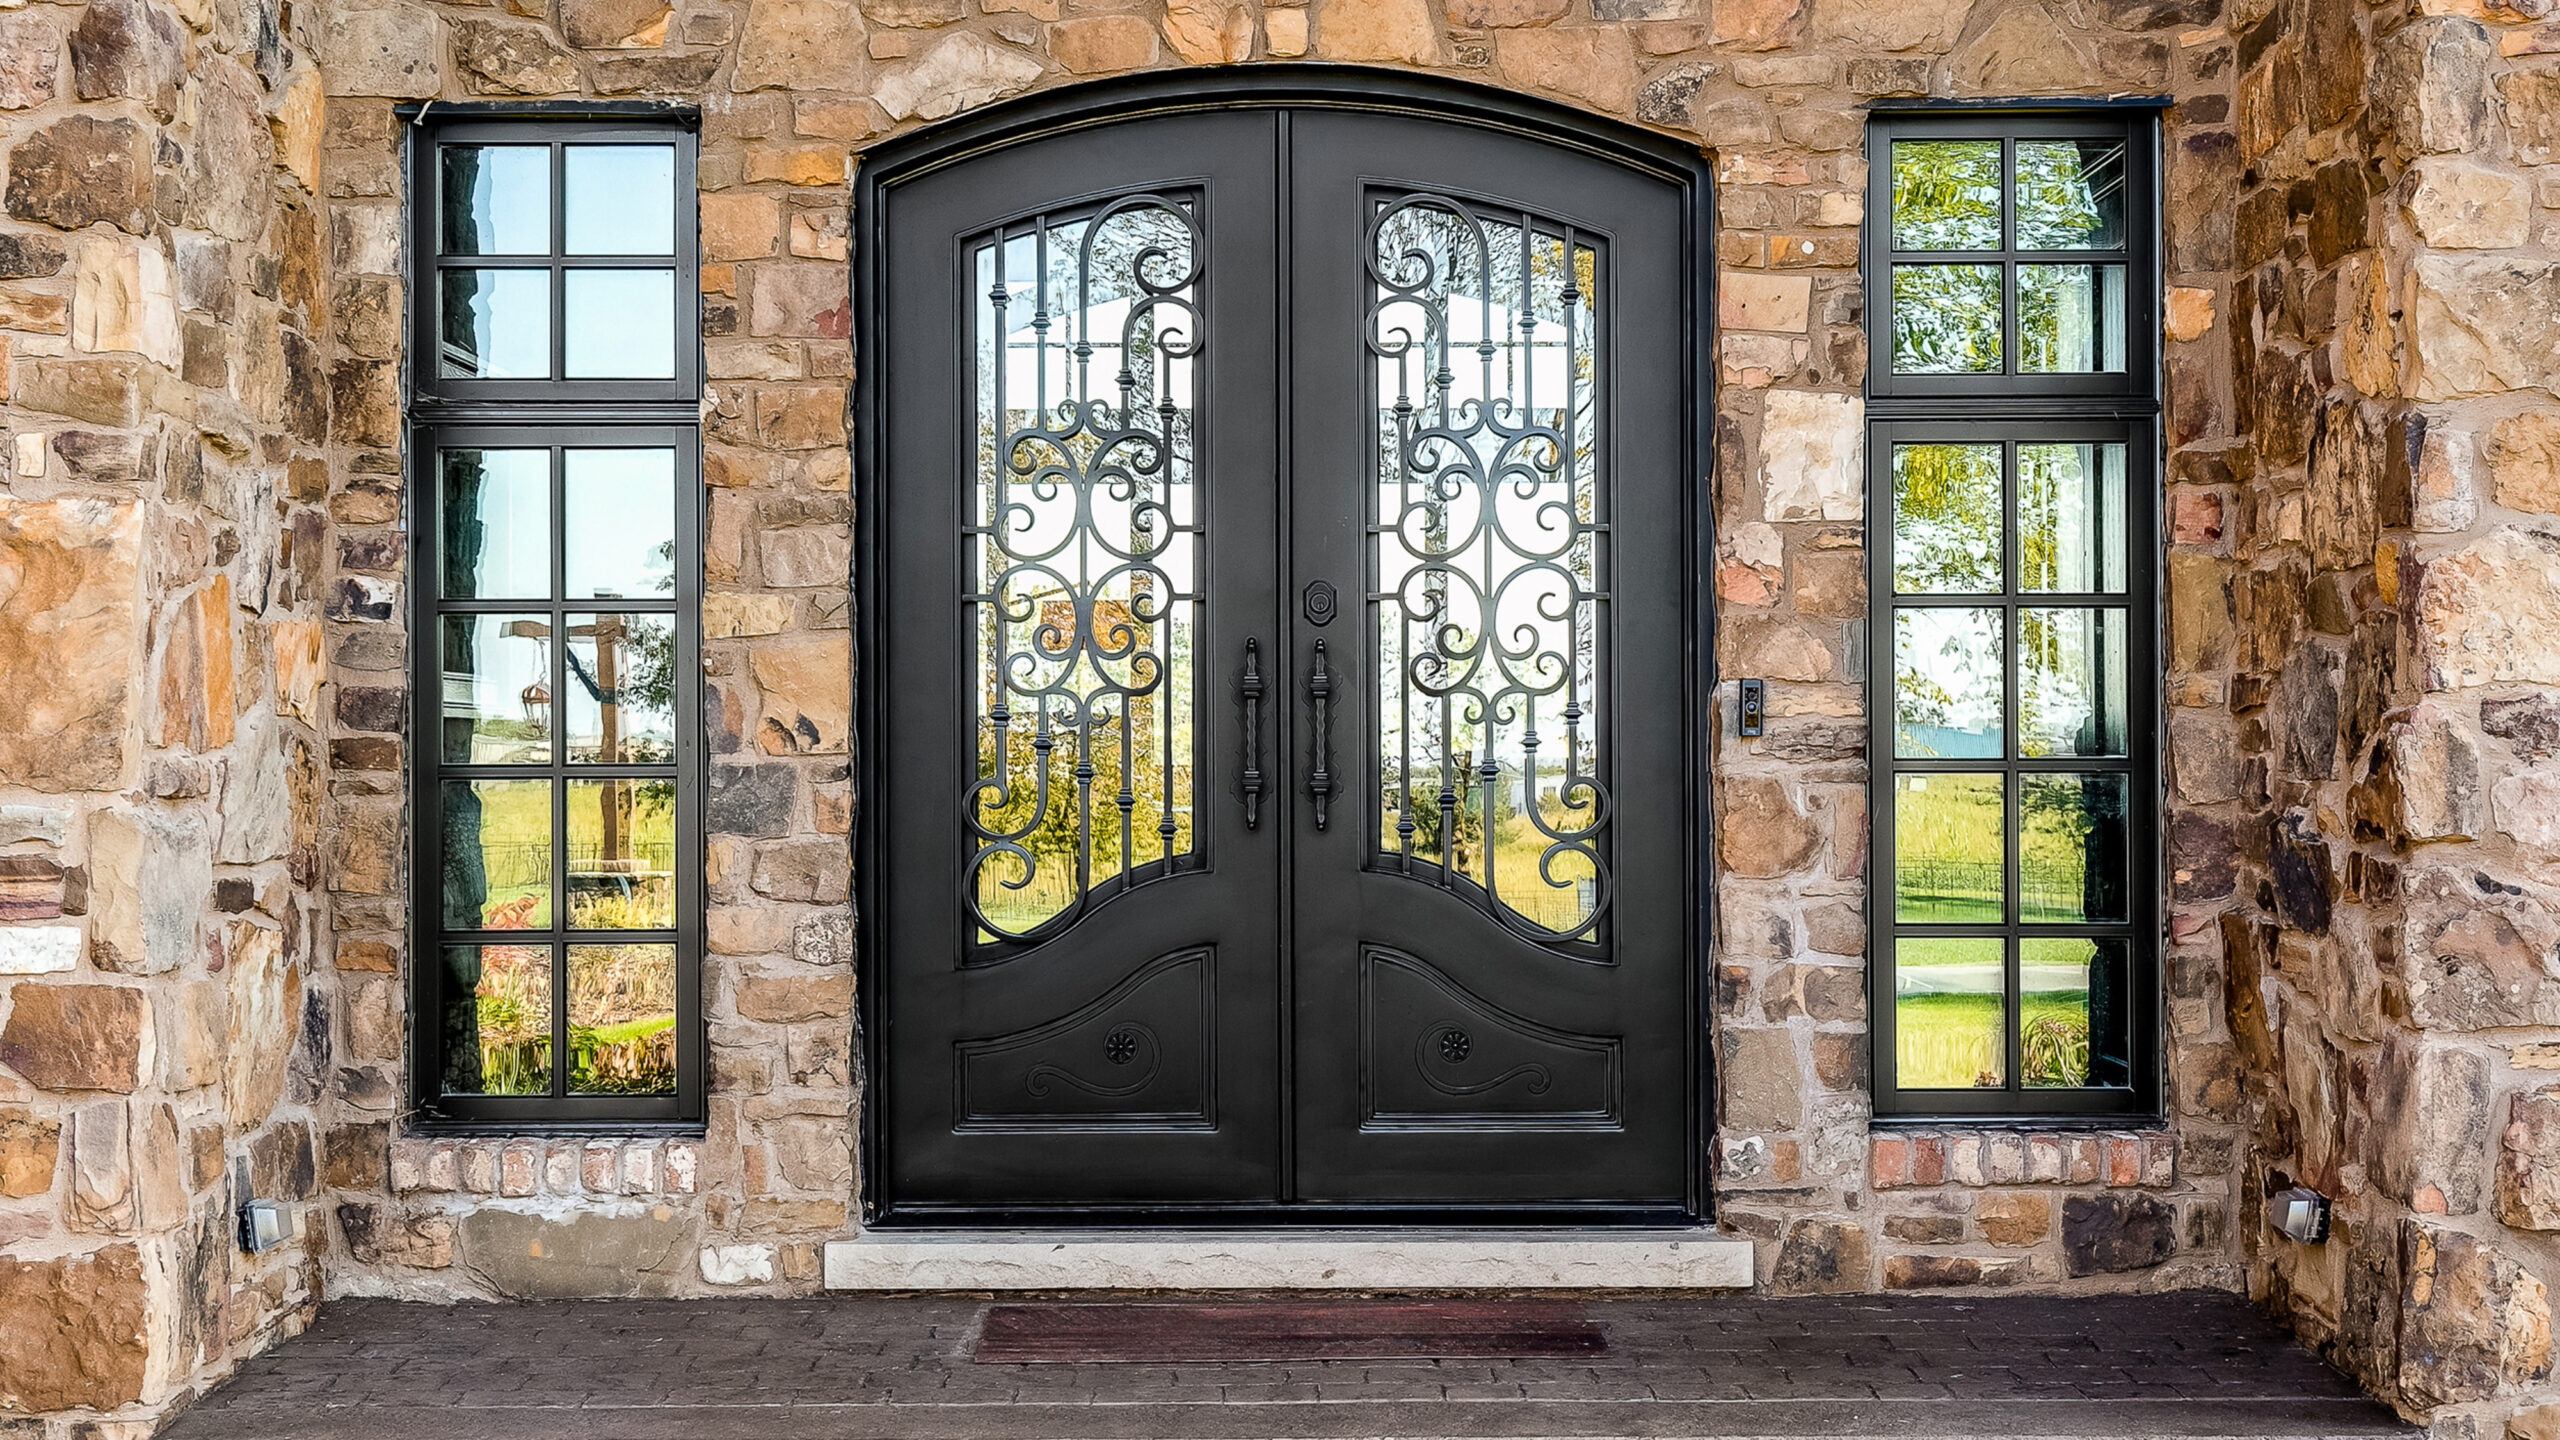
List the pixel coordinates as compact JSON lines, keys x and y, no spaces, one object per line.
{"x":1951,"y":1042}
{"x":1947,"y":849}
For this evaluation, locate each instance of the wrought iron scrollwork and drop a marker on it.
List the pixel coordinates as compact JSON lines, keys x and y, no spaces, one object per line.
{"x":1489,"y":532}
{"x":1087,"y":570}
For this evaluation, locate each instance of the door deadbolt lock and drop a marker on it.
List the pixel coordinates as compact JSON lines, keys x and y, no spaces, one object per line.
{"x":1319,"y":602}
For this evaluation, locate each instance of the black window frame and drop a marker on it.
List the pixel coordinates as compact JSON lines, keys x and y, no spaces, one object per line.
{"x":2012,"y":409}
{"x":447,"y":412}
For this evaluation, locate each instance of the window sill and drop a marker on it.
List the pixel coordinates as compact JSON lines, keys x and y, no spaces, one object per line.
{"x":514,"y":1164}
{"x":1919,"y":1155}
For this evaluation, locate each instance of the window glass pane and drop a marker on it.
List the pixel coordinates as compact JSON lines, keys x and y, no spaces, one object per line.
{"x":497,"y":855}
{"x":2071,"y":518}
{"x":497,"y":690}
{"x":497,"y":199}
{"x":1946,"y":519}
{"x":1947,"y":684}
{"x":2072,"y":849}
{"x":2071,"y":683}
{"x":622,"y":854}
{"x":2070,"y":194}
{"x":1950,"y":860}
{"x":621,"y":324}
{"x":2075,"y":1014}
{"x":2070,"y":319}
{"x":622,"y":1019}
{"x":1950,"y":1013}
{"x":497,"y":1019}
{"x":620,"y":199}
{"x":621,"y":523}
{"x":1946,"y":319}
{"x":496,"y":325}
{"x":621,"y":689}
{"x":1946,"y":195}
{"x":495,"y":513}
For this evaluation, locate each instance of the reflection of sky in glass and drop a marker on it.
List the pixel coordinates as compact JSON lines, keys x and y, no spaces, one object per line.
{"x":491,"y":662}
{"x":506,"y":195}
{"x":622,"y":517}
{"x":621,"y":324}
{"x":496,"y":517}
{"x":620,"y":199}
{"x":1948,"y":670}
{"x":507,"y":318}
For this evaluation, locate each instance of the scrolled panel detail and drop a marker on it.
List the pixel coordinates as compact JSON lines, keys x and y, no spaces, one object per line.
{"x":1435,"y":1053}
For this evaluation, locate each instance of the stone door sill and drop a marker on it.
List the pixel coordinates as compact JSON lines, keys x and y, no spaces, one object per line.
{"x":1290,"y":1260}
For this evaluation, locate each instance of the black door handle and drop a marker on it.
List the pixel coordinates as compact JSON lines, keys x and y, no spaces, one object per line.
{"x":1249,"y":688}
{"x":1320,"y":681}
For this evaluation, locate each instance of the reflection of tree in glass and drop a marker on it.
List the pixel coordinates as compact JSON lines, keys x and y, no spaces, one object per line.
{"x":2070,"y":194}
{"x":1947,"y":521}
{"x":1946,"y":195}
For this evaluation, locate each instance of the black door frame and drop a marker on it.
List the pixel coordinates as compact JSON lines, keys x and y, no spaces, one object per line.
{"x":1338,"y":87}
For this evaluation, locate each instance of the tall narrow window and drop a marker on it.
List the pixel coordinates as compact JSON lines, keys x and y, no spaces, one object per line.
{"x":556,"y":495}
{"x":2013,"y":700}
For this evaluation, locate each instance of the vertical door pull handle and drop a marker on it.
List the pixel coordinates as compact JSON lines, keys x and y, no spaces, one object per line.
{"x":1320,"y":682}
{"x":1249,"y":688}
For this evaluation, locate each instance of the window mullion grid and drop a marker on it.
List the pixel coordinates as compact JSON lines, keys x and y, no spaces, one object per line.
{"x":556,"y":772}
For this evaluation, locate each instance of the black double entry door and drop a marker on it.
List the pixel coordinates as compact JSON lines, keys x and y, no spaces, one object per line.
{"x":1285,"y":782}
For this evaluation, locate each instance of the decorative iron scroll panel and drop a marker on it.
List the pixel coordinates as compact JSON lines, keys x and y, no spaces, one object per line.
{"x":1085,"y":562}
{"x":1489,"y":536}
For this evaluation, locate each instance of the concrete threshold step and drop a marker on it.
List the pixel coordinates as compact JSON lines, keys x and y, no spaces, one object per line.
{"x":1419,"y":1259}
{"x":2300,"y":1418}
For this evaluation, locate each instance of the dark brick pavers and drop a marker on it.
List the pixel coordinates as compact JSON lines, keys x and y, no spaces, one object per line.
{"x":2187,"y":1365}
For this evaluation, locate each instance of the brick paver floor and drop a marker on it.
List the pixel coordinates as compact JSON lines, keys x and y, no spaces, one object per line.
{"x":899,"y":1369}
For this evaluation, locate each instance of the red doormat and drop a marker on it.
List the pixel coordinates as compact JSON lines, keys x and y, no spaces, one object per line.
{"x":1249,"y":1331}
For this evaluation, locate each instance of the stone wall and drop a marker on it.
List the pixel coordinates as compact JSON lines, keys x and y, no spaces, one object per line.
{"x":791,"y":91}
{"x":166,"y":1007}
{"x":2368,"y":577}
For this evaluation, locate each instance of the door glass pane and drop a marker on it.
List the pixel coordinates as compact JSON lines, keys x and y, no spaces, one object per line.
{"x":620,"y":324}
{"x":1946,"y":519}
{"x":2070,"y":194}
{"x":2070,"y":319}
{"x":1946,"y":195}
{"x":622,"y":854}
{"x":497,"y":690}
{"x":497,"y":1019}
{"x":497,"y":855}
{"x":622,"y":1019}
{"x":2071,"y":518}
{"x":497,"y":199}
{"x":1489,"y":553}
{"x":1946,"y":319}
{"x":496,"y":516}
{"x":1083,"y":542}
{"x":620,"y":199}
{"x":1947,"y":684}
{"x":2075,"y":1016}
{"x":2071,"y":683}
{"x":1950,"y":858}
{"x":496,"y":325}
{"x":621,"y":519}
{"x":621,"y":689}
{"x":2072,"y":849}
{"x":1950,"y":1013}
